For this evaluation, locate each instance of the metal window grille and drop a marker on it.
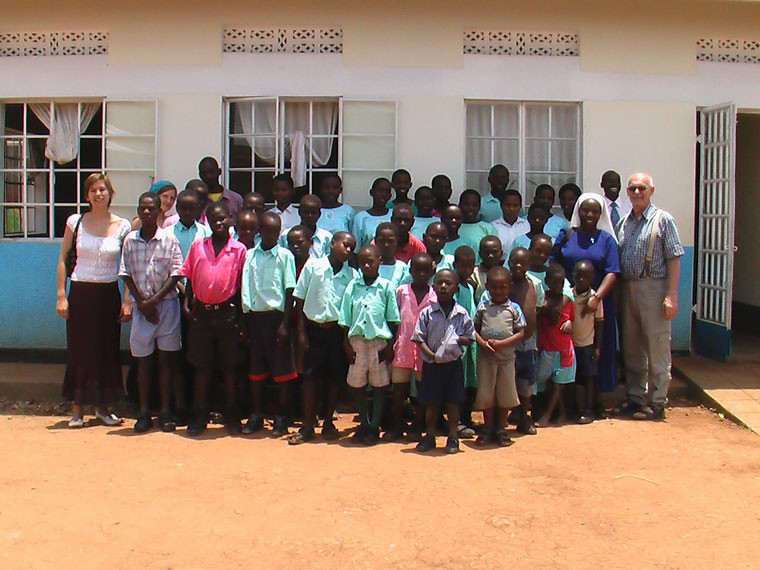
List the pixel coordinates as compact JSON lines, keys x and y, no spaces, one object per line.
{"x":538,"y":142}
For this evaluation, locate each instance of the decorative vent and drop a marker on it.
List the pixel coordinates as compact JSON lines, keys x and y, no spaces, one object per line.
{"x":283,"y":40}
{"x":729,"y":51}
{"x":520,"y":43}
{"x":20,"y":44}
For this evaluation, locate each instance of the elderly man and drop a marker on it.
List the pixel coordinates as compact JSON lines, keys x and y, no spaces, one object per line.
{"x":209,"y":171}
{"x":650,"y":251}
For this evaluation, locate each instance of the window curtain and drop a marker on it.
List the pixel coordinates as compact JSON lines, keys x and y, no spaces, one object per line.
{"x":296,"y":139}
{"x":63,"y":143}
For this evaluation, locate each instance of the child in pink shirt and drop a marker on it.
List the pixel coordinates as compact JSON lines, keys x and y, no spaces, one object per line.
{"x":411,"y":298}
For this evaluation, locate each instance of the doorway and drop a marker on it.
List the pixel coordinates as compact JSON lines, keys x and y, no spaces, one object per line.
{"x":746,"y":298}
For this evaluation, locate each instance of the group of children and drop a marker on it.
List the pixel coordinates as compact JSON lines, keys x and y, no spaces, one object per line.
{"x":423,"y":299}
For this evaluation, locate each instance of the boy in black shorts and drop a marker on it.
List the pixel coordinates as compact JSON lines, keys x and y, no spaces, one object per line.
{"x":442,"y":330}
{"x":318,"y":295}
{"x":269,"y":276}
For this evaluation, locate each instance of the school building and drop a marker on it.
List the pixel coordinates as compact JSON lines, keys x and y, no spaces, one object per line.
{"x":557,"y":91}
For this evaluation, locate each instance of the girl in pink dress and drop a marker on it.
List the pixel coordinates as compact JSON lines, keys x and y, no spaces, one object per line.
{"x":411,"y":298}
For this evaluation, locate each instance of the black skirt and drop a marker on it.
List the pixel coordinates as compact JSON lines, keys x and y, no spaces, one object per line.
{"x":93,"y":332}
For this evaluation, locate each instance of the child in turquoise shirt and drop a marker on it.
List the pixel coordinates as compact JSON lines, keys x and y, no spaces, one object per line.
{"x":269,"y":276}
{"x":369,"y":314}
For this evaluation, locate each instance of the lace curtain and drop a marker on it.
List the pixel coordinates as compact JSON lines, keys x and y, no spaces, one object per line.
{"x":63,"y":143}
{"x":297,"y":141}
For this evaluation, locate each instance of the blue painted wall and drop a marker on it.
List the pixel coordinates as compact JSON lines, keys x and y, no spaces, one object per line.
{"x":28,"y":294}
{"x":681,"y":327}
{"x":29,"y":320}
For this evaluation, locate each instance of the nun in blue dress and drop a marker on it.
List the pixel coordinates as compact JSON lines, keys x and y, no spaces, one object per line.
{"x":593,"y":238}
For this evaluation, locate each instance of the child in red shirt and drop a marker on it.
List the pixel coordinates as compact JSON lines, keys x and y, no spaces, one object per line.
{"x":556,"y":358}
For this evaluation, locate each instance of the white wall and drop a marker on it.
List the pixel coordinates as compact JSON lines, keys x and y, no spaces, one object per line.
{"x":746,"y":264}
{"x":190,"y":127}
{"x":431,"y":138}
{"x":654,"y":137}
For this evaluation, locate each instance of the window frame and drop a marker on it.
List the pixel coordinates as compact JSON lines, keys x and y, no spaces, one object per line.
{"x":279,"y":160}
{"x":279,"y":166}
{"x":80,"y":204}
{"x":520,"y":182}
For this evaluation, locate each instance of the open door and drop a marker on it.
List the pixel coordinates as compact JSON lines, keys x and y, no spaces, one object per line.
{"x":715,"y":239}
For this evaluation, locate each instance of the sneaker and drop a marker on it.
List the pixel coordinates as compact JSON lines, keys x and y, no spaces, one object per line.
{"x":280,"y":426}
{"x":76,"y":423}
{"x":372,"y":436}
{"x":255,"y":423}
{"x":143,"y":423}
{"x":452,"y":445}
{"x":427,"y":443}
{"x":329,"y":431}
{"x":587,"y":417}
{"x":166,"y":423}
{"x":465,"y":432}
{"x":651,"y":412}
{"x":109,"y":419}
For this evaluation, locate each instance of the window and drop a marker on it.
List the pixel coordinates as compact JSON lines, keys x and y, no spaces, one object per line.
{"x":39,"y":193}
{"x":309,"y":138}
{"x":538,"y":142}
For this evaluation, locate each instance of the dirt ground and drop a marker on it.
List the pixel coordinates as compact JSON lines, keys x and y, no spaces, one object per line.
{"x":615,"y":494}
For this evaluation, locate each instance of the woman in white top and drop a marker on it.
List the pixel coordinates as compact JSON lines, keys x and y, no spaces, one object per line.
{"x":93,"y":309}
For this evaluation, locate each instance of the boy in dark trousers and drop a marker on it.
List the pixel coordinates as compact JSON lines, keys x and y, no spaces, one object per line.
{"x":442,"y":330}
{"x":212,"y":306}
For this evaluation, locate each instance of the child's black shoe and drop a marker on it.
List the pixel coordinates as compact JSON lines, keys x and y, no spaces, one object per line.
{"x":143,"y":423}
{"x":255,"y":423}
{"x":426,"y":444}
{"x":394,"y":434}
{"x":484,"y":439}
{"x":414,"y":434}
{"x":329,"y":431}
{"x":526,"y":426}
{"x":372,"y":437}
{"x":196,"y":427}
{"x":452,"y":445}
{"x":166,"y":423}
{"x":280,"y":426}
{"x":503,"y":439}
{"x":359,"y":434}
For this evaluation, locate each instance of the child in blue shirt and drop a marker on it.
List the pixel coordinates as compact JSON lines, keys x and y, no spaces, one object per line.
{"x":392,"y":269}
{"x":366,"y":222}
{"x":335,"y":217}
{"x":269,"y":276}
{"x":423,"y":206}
{"x":442,"y":330}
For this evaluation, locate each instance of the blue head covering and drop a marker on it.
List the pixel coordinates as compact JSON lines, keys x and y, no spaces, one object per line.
{"x":157,"y":187}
